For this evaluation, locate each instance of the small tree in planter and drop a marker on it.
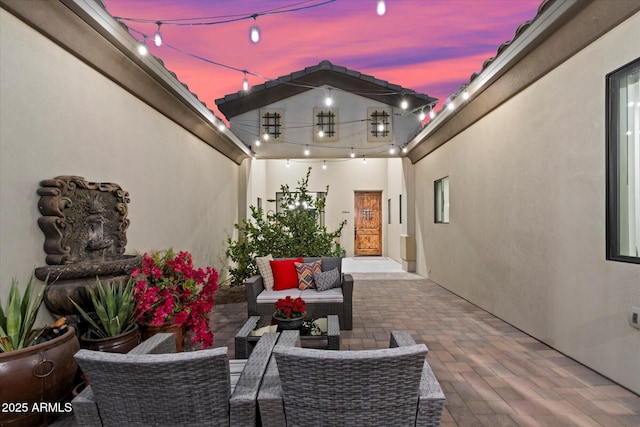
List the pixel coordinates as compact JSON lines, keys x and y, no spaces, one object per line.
{"x":292,"y":231}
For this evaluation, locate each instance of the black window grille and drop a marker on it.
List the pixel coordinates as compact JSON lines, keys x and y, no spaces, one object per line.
{"x":271,"y":124}
{"x":326,"y":122}
{"x":380,"y":124}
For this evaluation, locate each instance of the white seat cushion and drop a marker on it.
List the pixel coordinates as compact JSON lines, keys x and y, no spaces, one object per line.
{"x":308,"y":295}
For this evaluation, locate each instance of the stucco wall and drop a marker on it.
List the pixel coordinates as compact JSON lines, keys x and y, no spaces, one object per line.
{"x":526,"y":239}
{"x":60,"y":117}
{"x":343,"y":177}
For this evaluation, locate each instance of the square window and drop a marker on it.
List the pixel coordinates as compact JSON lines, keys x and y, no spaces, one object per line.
{"x":324,"y":125}
{"x":271,"y":125}
{"x":623,"y":163}
{"x":379,"y":125}
{"x":441,"y":200}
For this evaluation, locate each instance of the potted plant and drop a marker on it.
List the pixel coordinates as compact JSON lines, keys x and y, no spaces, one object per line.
{"x":172,"y":293}
{"x":38,"y":364}
{"x":113,"y":328}
{"x":289,"y":312}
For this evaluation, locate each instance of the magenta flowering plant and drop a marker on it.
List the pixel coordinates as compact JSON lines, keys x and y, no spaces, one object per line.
{"x":169,"y":289}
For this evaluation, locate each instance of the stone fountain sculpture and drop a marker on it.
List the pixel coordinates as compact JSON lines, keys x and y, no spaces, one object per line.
{"x":85,"y":226}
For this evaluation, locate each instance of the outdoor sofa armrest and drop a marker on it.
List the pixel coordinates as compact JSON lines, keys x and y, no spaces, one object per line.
{"x":347,"y":298}
{"x":243,"y":402}
{"x":85,"y":408}
{"x":270,"y":396}
{"x":253,"y":286}
{"x":432,"y":397}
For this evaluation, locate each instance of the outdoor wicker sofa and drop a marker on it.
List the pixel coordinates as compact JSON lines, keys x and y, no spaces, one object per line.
{"x":384,"y":387}
{"x":154,"y":385}
{"x":319,"y":304}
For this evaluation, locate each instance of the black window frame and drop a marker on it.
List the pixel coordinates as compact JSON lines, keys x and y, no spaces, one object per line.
{"x":612,"y":166}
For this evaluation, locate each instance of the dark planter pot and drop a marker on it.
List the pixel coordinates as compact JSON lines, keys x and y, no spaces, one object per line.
{"x":289,"y":324}
{"x":122,"y":343}
{"x":43,"y":373}
{"x":149,"y":330}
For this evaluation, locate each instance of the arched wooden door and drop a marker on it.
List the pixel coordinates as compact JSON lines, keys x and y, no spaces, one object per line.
{"x":368,"y":223}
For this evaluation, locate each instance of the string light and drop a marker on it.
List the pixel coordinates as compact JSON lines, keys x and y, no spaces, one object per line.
{"x":392,"y":149}
{"x":381,"y":9}
{"x":404,"y":104}
{"x":265,"y":136}
{"x":422,"y":115}
{"x":320,"y":133}
{"x":142,"y":47}
{"x":257,"y":142}
{"x":364,"y":160}
{"x":380,"y":127}
{"x":465,"y":95}
{"x":450,"y":106}
{"x":306,"y":151}
{"x":157,"y":39}
{"x":245,"y":83}
{"x":254,"y":31}
{"x":324,"y":164}
{"x":352,"y":153}
{"x":432,"y":113}
{"x":221,"y":127}
{"x":287,"y":162}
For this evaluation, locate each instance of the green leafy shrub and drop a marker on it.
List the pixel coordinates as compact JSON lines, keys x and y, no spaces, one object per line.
{"x":291,"y":232}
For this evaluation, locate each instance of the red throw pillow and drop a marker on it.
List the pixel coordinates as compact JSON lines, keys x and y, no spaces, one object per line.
{"x":284,"y":273}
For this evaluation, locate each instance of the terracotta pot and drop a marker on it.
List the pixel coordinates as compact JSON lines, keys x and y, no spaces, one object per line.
{"x":122,"y":343}
{"x":149,"y":330}
{"x":41,"y":373}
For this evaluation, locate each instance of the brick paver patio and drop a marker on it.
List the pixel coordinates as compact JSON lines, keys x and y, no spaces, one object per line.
{"x":492,"y":373}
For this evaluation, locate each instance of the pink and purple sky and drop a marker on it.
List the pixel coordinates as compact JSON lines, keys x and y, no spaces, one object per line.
{"x":430,"y":46}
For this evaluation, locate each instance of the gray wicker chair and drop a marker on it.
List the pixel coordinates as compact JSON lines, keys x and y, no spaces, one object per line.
{"x":385,"y":387}
{"x":145,"y":387}
{"x":254,"y":286}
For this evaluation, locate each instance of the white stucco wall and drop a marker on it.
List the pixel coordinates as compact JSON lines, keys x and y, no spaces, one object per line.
{"x":60,"y":117}
{"x":298,"y":127}
{"x":344,"y":177}
{"x":526,"y":239}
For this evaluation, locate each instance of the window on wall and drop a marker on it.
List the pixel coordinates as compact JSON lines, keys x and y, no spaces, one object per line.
{"x":623,"y":163}
{"x":441,"y":200}
{"x":325,"y":129}
{"x":379,"y":125}
{"x":271,"y":124}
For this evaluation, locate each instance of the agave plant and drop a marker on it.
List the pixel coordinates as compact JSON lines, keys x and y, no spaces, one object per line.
{"x":115,"y":308}
{"x":19,"y":316}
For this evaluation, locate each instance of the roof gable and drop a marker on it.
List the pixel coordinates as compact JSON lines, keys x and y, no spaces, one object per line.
{"x":323,"y":74}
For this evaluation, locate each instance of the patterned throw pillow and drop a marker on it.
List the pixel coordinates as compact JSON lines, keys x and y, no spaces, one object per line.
{"x":265,"y":271}
{"x":327,"y":279}
{"x":305,"y":273}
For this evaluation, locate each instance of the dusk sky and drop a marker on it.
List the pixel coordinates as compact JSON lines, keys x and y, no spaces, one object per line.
{"x":430,"y":46}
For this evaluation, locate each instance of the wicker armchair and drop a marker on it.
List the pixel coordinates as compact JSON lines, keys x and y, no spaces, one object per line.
{"x":146,"y":387}
{"x":260,"y":302}
{"x":385,"y":387}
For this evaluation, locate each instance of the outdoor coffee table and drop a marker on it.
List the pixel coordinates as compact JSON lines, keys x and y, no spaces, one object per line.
{"x":251,"y":331}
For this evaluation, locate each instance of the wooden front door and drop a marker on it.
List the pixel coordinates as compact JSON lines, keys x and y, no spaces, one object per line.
{"x":368,"y":223}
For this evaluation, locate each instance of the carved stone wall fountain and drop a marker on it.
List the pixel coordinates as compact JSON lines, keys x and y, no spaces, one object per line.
{"x":85,"y":226}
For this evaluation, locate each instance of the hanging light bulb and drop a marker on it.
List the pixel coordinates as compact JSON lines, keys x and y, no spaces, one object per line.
{"x":320,"y":133}
{"x":265,"y":136}
{"x":221,"y":127}
{"x":157,"y":39}
{"x":465,"y":95}
{"x":364,"y":160}
{"x":324,"y":164}
{"x":352,"y":154}
{"x":254,"y":156}
{"x":380,"y":127}
{"x":392,"y":149}
{"x":142,"y":47}
{"x":328,"y":100}
{"x":432,"y":113}
{"x":254,"y":31}
{"x":287,"y":162}
{"x":405,"y":149}
{"x":404,"y":104}
{"x":257,"y":142}
{"x":450,"y":106}
{"x":381,"y":9}
{"x":245,"y":83}
{"x":306,"y":151}
{"x":422,"y":115}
